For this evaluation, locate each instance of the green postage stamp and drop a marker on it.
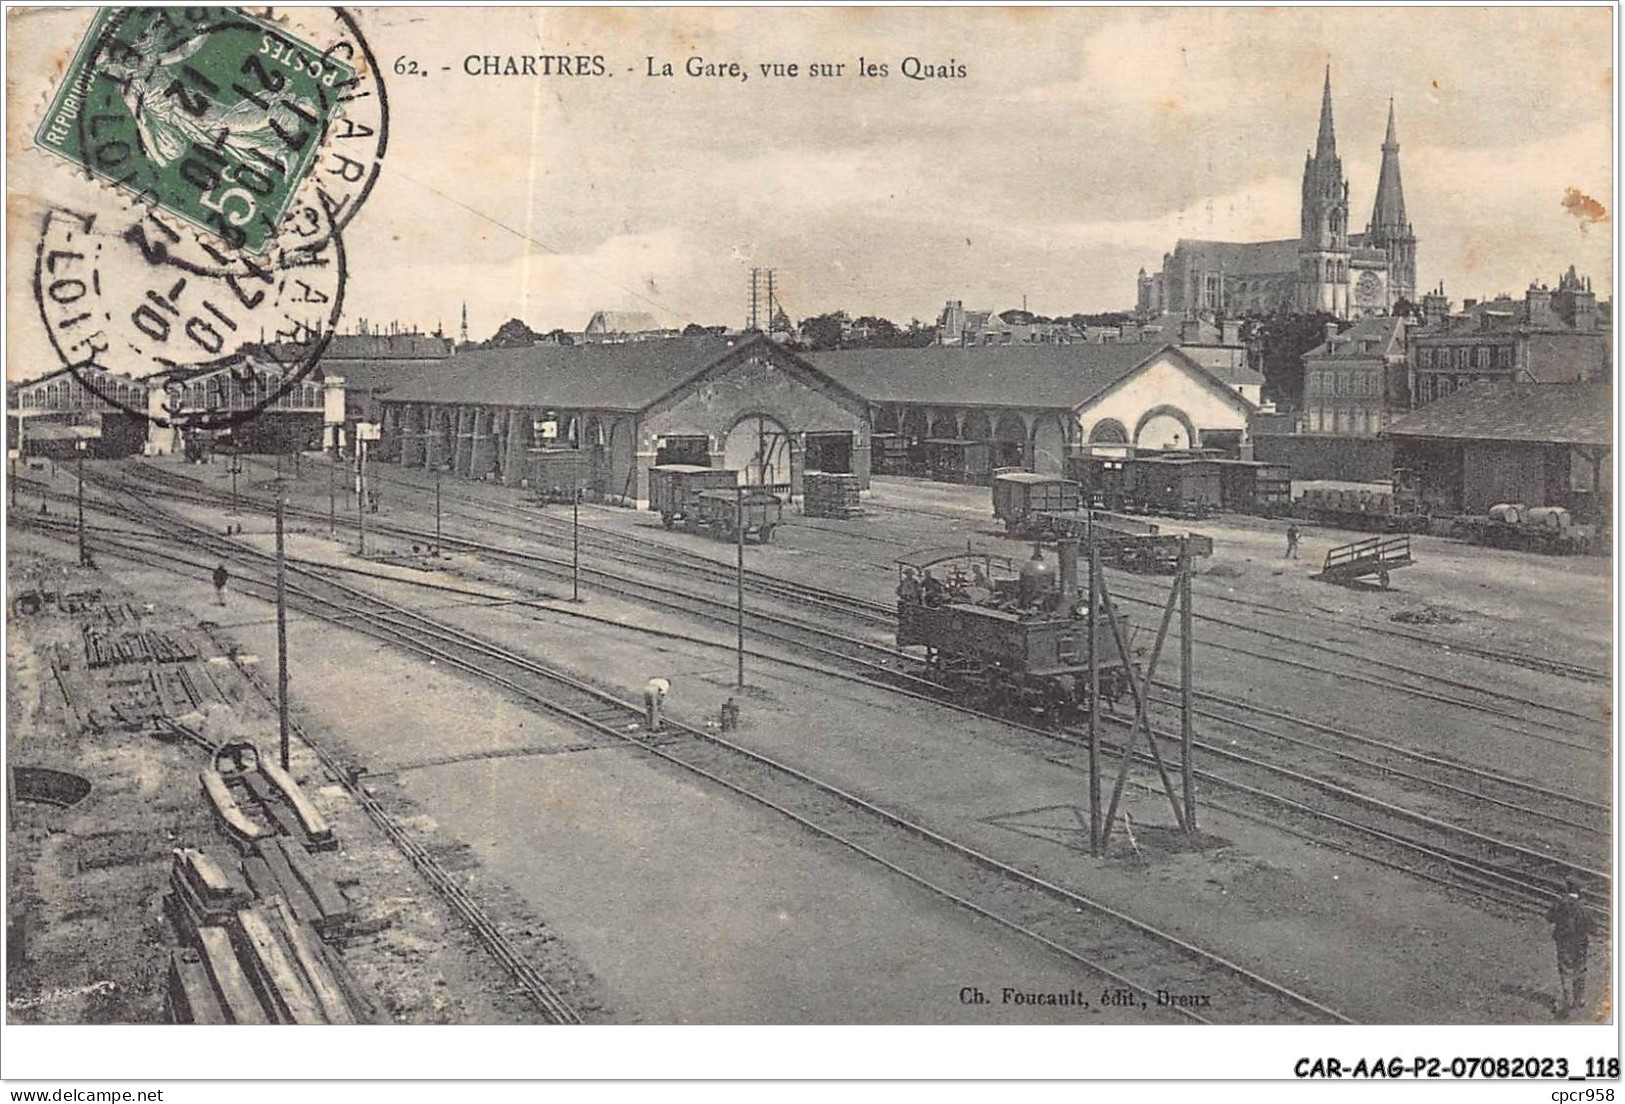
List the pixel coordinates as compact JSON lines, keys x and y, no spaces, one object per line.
{"x":208,"y":113}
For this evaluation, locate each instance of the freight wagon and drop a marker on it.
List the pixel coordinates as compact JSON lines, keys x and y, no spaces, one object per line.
{"x":674,"y":488}
{"x":724,"y":513}
{"x":558,"y":474}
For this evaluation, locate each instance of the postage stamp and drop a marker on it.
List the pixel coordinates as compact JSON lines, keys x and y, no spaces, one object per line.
{"x":210,"y":114}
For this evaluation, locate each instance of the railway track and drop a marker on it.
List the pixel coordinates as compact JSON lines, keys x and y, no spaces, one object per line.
{"x":1121,"y":949}
{"x":1511,"y":871}
{"x":889,"y":667}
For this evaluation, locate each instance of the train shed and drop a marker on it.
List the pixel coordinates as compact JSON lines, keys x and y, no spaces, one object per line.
{"x":728,"y":402}
{"x":1033,"y":406}
{"x":1541,"y":444}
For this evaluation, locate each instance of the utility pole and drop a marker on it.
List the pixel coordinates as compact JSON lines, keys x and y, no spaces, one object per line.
{"x":361,"y":494}
{"x":281,"y":637}
{"x":437,"y":478}
{"x":332,"y":496}
{"x":575,"y":543}
{"x":236,"y":466}
{"x":739,"y":580}
{"x":84,"y":559}
{"x":1094,"y":698}
{"x":1185,"y":736}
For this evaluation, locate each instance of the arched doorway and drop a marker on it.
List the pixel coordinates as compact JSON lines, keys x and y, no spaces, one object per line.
{"x":1010,"y":441}
{"x":978,"y":426}
{"x":1049,"y":445}
{"x":1165,"y":427}
{"x":760,"y":446}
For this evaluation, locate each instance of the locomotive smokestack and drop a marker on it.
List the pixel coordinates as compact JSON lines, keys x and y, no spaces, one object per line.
{"x":1069,"y":573}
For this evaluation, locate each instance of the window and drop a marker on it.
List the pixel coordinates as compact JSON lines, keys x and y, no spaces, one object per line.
{"x":1503,"y":356}
{"x":1461,"y":357}
{"x":1483,"y":356}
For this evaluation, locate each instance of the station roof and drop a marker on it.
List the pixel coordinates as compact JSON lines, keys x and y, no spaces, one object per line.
{"x":1057,"y":377}
{"x":625,"y":376}
{"x":1537,"y":413}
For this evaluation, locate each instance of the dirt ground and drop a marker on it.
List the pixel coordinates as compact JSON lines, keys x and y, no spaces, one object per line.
{"x":89,"y":939}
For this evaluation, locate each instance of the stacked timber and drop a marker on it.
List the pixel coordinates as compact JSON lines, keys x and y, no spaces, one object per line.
{"x":201,"y":892}
{"x":831,"y":495}
{"x":189,"y":994}
{"x":276,"y":869}
{"x":249,"y":957}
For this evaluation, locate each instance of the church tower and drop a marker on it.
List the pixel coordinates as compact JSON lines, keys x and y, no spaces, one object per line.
{"x":1390,"y":230}
{"x":1323,"y":247}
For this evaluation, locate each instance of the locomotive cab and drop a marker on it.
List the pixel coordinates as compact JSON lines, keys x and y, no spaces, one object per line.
{"x":1010,"y":638}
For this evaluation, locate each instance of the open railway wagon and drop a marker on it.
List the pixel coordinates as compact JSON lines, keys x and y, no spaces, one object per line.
{"x":724,"y":513}
{"x":1394,"y":511}
{"x":674,"y":489}
{"x":1548,"y":529}
{"x":1374,"y":557}
{"x":1009,"y":638}
{"x":558,"y":474}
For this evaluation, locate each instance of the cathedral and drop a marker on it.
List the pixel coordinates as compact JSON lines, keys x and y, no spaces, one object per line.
{"x":1325,"y":268}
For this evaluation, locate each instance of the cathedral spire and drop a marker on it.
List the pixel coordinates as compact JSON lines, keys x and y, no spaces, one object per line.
{"x":1326,"y":142}
{"x":1388,"y":214}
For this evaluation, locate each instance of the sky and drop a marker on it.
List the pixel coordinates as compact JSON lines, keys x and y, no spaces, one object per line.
{"x":1077,"y":147}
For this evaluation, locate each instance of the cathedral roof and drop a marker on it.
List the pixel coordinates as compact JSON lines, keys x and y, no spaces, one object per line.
{"x":1269,"y":258}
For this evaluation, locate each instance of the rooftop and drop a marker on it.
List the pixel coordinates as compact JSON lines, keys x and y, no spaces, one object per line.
{"x":626,"y":376}
{"x":1055,"y":376}
{"x":1376,"y":336}
{"x":1545,"y":413}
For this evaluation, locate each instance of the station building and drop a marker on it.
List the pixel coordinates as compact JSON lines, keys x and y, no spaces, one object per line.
{"x":1541,"y":444}
{"x":744,"y":403}
{"x":1034,"y":406}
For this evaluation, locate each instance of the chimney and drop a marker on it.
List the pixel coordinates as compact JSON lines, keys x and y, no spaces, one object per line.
{"x":1468,"y":304}
{"x":1538,"y":301}
{"x":1230,"y":332}
{"x":1069,"y":574}
{"x":1331,"y":332}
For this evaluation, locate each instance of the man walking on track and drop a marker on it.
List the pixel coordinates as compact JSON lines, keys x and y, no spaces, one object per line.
{"x":654,"y":698}
{"x":1291,"y":541}
{"x":220,"y":578}
{"x":1572,"y":926}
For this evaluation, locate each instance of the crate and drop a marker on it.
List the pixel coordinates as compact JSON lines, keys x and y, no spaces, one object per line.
{"x":831,"y":495}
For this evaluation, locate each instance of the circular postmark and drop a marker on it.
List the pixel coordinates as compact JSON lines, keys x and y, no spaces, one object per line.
{"x":134,"y":301}
{"x":225,"y":118}
{"x":237,"y":144}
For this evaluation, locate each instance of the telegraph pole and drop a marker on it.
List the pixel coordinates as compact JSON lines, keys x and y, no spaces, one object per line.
{"x":84,"y":560}
{"x":437,"y":478}
{"x":281,"y":637}
{"x":575,"y":544}
{"x":739,"y":580}
{"x":332,"y":497}
{"x":1094,"y":698}
{"x":236,"y":466}
{"x":1185,"y":620}
{"x":361,"y":494}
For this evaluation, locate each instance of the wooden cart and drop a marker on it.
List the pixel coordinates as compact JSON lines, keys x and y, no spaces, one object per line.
{"x":1378,"y":556}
